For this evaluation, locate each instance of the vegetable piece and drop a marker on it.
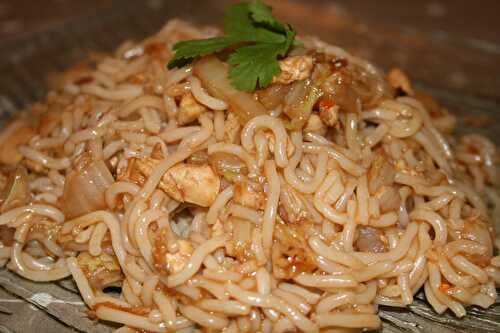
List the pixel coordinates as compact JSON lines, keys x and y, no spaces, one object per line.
{"x":84,"y":189}
{"x":253,"y":65}
{"x":479,"y":231}
{"x":249,"y":194}
{"x":227,"y":165}
{"x":370,"y":240}
{"x":15,"y":134}
{"x":257,"y":64}
{"x":101,"y":271}
{"x":273,"y":96}
{"x":213,"y":74}
{"x":16,"y":191}
{"x":299,"y":103}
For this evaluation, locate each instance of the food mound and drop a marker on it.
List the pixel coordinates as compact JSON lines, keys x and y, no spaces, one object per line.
{"x":300,"y":205}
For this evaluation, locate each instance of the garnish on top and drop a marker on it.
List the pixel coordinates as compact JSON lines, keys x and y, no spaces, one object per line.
{"x":256,"y":41}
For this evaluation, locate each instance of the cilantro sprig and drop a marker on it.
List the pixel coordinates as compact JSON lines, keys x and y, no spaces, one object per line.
{"x":256,"y":40}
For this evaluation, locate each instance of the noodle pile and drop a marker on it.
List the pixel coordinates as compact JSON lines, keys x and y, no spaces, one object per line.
{"x":177,"y":203}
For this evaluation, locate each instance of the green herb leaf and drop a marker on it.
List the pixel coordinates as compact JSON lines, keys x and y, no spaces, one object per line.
{"x":238,"y":24}
{"x":246,"y":59}
{"x":262,"y":13}
{"x":256,"y":65}
{"x":186,"y":51}
{"x":258,"y":38}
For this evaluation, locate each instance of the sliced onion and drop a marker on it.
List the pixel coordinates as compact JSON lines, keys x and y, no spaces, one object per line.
{"x":481,"y":232}
{"x":299,"y":103}
{"x":214,"y":75}
{"x":273,"y":96}
{"x":227,"y":165}
{"x":16,"y":192}
{"x":84,"y":189}
{"x":370,"y":240}
{"x":389,"y":198}
{"x":381,"y":173}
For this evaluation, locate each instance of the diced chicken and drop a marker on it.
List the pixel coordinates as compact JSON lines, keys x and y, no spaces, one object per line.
{"x":232,"y":128}
{"x":14,"y":135}
{"x":294,"y":68}
{"x":398,"y":80}
{"x":249,"y":194}
{"x":175,"y":262}
{"x":328,"y":113}
{"x":101,"y":271}
{"x":185,"y":182}
{"x":196,"y":184}
{"x":189,"y":109}
{"x":315,"y":125}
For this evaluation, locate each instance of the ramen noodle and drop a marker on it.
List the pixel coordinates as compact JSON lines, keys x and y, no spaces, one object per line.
{"x":300,"y":207}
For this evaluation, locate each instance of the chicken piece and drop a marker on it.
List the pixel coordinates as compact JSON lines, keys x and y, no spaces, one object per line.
{"x":14,"y":135}
{"x":175,"y":262}
{"x":294,"y":68}
{"x":196,"y":184}
{"x":185,"y":182}
{"x":398,"y":80}
{"x":328,"y":113}
{"x":101,"y":271}
{"x":249,"y":194}
{"x":232,"y":128}
{"x":315,"y":125}
{"x":189,"y":109}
